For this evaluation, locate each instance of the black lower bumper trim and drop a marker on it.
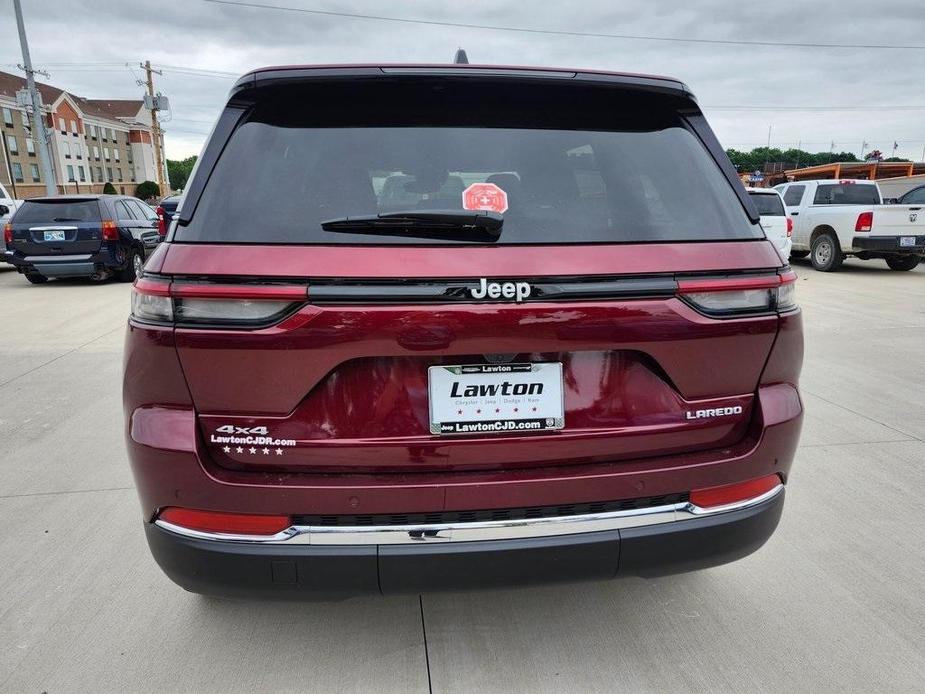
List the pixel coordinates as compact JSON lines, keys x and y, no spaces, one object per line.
{"x":889,"y":244}
{"x":247,"y":570}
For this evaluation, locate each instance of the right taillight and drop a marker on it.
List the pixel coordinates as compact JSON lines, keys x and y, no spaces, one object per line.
{"x":789,"y":227}
{"x":7,"y":234}
{"x":732,"y":297}
{"x":161,"y":301}
{"x":161,"y":221}
{"x":865,"y":221}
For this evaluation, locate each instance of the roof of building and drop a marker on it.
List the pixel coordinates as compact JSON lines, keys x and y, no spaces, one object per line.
{"x":113,"y":109}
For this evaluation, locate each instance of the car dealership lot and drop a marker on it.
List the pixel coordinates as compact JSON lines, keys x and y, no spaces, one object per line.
{"x":832,"y":603}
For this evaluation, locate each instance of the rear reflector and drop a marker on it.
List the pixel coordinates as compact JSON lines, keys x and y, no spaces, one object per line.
{"x":865,"y":221}
{"x":220,"y":522}
{"x":733,"y":493}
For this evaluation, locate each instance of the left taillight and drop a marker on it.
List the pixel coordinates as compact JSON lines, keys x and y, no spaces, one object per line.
{"x":213,"y":305}
{"x":865,"y":221}
{"x":739,"y":296}
{"x":789,"y":227}
{"x":7,"y":233}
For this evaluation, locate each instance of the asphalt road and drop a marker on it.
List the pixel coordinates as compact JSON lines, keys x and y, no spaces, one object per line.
{"x":834,"y":602}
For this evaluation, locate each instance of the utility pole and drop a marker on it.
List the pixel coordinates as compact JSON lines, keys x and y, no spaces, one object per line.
{"x":155,"y":127}
{"x":38,"y":120}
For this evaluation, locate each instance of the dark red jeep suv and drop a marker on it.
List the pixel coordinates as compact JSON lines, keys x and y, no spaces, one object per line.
{"x":444,"y":327}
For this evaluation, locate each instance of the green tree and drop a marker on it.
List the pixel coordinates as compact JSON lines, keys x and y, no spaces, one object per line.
{"x":179,"y":171}
{"x":109,"y":189}
{"x":147,"y":189}
{"x":756,"y":158}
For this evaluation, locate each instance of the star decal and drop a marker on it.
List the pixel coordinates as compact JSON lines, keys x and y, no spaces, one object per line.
{"x":279,"y":451}
{"x":266,"y":451}
{"x":253,"y":450}
{"x":227,"y":449}
{"x":239,"y":449}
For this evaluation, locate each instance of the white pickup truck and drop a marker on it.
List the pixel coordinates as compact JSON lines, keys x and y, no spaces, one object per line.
{"x":833,"y":219}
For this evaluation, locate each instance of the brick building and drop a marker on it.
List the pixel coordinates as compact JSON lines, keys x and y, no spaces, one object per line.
{"x":91,"y":142}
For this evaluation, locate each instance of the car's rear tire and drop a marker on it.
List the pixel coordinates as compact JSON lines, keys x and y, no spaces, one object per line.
{"x":36,"y":278}
{"x":826,"y":254}
{"x":133,"y":264}
{"x":903,"y":262}
{"x":799,"y":254}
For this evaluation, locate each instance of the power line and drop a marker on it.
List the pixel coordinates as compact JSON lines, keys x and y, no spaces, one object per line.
{"x":561,"y":32}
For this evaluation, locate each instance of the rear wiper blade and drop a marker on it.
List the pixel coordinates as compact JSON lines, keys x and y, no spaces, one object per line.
{"x":456,"y":225}
{"x":65,"y":219}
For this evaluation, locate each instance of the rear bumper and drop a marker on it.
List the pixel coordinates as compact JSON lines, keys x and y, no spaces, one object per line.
{"x":82,"y":265}
{"x":889,"y":244}
{"x":282,"y":569}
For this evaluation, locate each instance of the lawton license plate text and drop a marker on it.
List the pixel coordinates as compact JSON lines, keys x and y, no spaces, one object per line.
{"x":55,"y":235}
{"x":489,"y":398}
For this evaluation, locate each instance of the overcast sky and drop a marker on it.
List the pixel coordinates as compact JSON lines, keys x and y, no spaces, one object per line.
{"x":103,"y":35}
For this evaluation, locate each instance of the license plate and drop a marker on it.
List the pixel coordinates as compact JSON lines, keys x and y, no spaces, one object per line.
{"x":495,"y":398}
{"x":54,"y":235}
{"x":906,"y":240}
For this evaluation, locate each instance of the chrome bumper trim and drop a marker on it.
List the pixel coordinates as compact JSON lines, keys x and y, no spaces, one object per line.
{"x":473,"y":532}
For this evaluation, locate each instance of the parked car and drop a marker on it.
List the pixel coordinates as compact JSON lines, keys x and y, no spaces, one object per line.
{"x":916,"y":196}
{"x":583,"y":364}
{"x":836,"y":219}
{"x":94,"y":236}
{"x":166,"y":209}
{"x":777,"y":225}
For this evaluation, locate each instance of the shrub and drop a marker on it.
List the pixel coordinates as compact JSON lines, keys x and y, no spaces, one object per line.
{"x":147,"y":189}
{"x":109,"y":189}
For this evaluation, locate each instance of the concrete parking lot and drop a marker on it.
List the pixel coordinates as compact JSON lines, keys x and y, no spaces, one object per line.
{"x":834,"y":602}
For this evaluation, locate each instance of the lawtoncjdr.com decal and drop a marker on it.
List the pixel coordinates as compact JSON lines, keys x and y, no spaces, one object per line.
{"x":252,"y":440}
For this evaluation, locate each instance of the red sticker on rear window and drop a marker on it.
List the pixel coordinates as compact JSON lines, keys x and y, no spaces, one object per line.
{"x":484,"y":196}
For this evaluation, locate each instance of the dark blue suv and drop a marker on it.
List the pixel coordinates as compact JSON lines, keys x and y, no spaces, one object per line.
{"x":95,"y":236}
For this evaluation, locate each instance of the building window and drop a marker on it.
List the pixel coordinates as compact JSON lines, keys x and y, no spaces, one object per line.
{"x":78,"y":150}
{"x":80,"y":170}
{"x":17,"y":172}
{"x":112,"y":134}
{"x":70,"y":172}
{"x":96,"y":152}
{"x":62,"y":126}
{"x":115,"y":154}
{"x":73,"y":127}
{"x":99,"y":174}
{"x":106,"y":153}
{"x":119,"y":175}
{"x":30,"y":146}
{"x":11,"y":144}
{"x":108,"y":173}
{"x":25,"y":119}
{"x":66,"y":148}
{"x":34,"y":170}
{"x":93,"y":131}
{"x":7,"y":117}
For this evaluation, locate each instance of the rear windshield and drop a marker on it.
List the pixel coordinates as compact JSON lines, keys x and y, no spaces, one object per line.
{"x":621,"y":175}
{"x":768,"y":204}
{"x":846,"y":194}
{"x":53,"y":212}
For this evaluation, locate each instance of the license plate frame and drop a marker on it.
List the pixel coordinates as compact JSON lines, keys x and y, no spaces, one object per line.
{"x":906,"y":241}
{"x":473,"y":407}
{"x":54,"y":235}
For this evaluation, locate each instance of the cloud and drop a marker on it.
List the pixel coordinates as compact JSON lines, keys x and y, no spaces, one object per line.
{"x":197,"y":34}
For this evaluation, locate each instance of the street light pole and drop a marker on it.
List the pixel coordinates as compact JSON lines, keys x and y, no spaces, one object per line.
{"x":38,"y":121}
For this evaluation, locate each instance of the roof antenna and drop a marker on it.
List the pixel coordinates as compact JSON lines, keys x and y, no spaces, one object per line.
{"x":460,"y":58}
